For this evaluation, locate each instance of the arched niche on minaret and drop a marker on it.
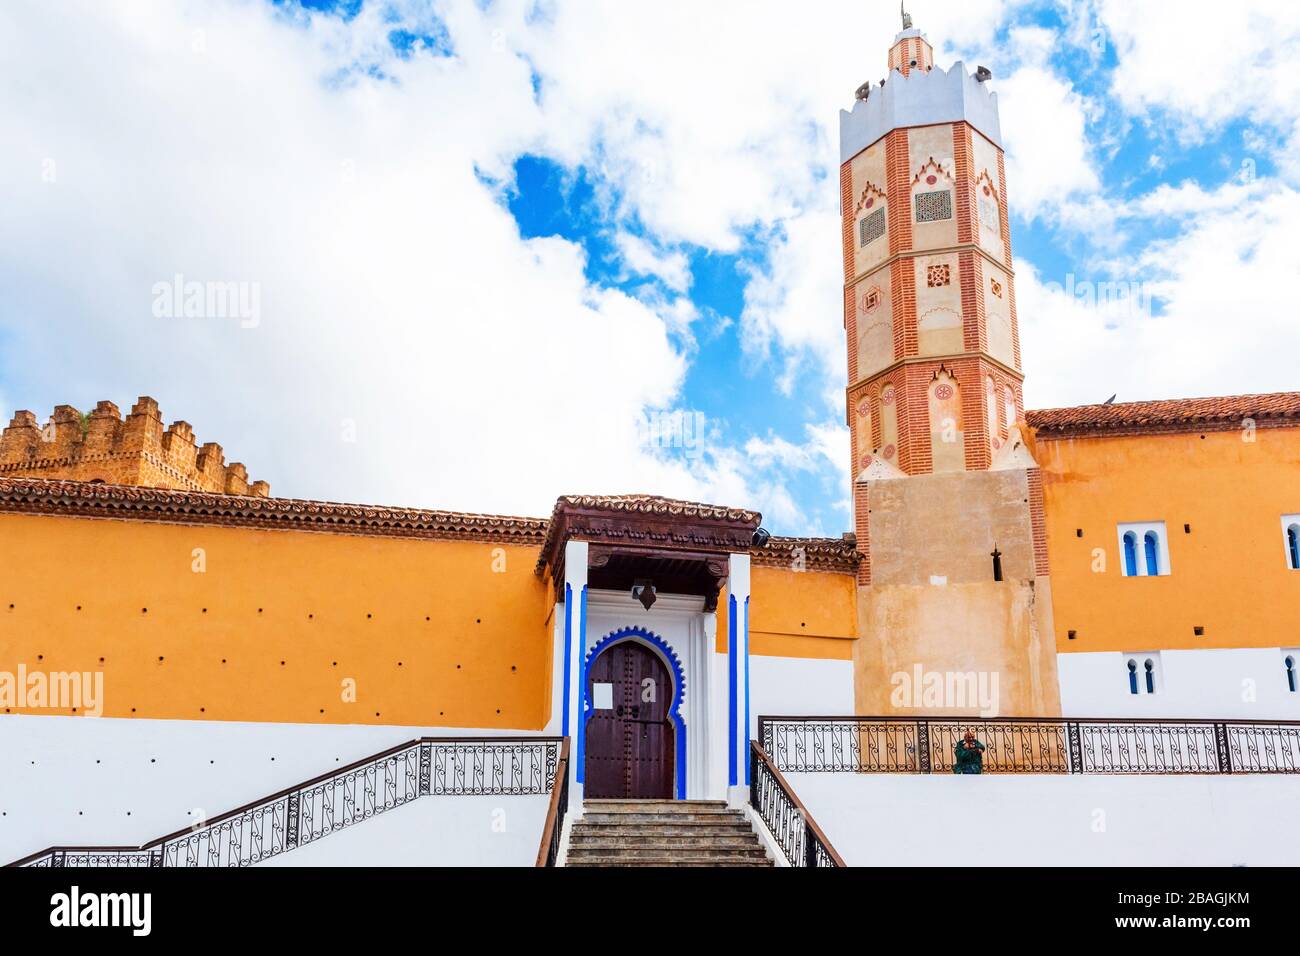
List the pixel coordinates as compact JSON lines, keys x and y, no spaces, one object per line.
{"x":875,"y":323}
{"x":947,"y":435}
{"x":889,"y":423}
{"x":938,"y":304}
{"x":869,"y":239}
{"x":862,"y":436}
{"x":988,"y":208}
{"x":992,"y":396}
{"x":934,"y":198}
{"x":997,"y":315}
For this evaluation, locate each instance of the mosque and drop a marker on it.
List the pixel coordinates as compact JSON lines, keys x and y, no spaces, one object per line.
{"x":175,"y":641}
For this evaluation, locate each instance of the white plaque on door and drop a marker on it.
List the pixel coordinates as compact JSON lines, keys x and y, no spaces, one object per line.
{"x":602,"y":696}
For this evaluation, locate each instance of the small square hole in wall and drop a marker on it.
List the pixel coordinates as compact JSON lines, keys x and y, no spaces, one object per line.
{"x":1187,"y":529}
{"x":1071,"y":634}
{"x":1198,"y":631}
{"x":1078,"y":532}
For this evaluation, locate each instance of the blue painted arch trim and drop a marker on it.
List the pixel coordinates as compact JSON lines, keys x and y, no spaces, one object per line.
{"x":665,"y":651}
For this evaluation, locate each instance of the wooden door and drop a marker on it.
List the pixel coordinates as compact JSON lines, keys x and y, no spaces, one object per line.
{"x":630,"y":743}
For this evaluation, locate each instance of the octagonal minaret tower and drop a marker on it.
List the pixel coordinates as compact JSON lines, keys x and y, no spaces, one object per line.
{"x":935,"y":383}
{"x":929,"y":301}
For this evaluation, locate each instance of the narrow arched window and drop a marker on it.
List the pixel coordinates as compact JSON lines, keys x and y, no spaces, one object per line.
{"x":1130,"y":555}
{"x":1293,"y":546}
{"x":1290,"y":674}
{"x":1151,"y":677}
{"x":1150,"y":541}
{"x":1132,"y":677}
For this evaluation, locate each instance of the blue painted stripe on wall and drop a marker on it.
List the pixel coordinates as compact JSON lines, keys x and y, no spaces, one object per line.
{"x":745,"y":739}
{"x":731,"y":690}
{"x":568,"y":659}
{"x":581,"y":730}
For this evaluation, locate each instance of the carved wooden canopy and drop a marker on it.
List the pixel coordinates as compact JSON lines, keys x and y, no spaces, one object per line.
{"x":682,"y":546}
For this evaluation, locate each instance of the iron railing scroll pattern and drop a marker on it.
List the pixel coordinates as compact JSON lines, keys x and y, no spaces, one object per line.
{"x":436,"y":766}
{"x":1031,"y":745}
{"x":792,"y":827}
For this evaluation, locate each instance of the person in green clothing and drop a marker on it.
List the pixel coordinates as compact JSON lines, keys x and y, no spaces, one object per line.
{"x":970,"y":755}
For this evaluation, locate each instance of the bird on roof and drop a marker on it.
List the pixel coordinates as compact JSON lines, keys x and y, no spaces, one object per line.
{"x":1111,"y":400}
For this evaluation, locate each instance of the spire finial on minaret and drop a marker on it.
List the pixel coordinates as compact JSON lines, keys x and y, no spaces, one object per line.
{"x":911,"y":51}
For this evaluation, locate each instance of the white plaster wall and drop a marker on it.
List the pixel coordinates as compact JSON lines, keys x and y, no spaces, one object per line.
{"x":1050,"y":820}
{"x":434,"y":831}
{"x":1236,"y":683}
{"x":105,"y":781}
{"x":793,"y":686}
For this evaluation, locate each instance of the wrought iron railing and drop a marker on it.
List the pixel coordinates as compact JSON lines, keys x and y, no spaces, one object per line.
{"x":791,"y":825}
{"x":1031,"y":745}
{"x":426,"y":766}
{"x":548,"y":853}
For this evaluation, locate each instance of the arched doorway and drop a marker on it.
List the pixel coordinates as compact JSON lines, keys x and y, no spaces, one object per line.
{"x":630,"y":751}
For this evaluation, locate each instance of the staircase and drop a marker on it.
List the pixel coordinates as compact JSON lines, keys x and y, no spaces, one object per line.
{"x":344,"y":797}
{"x":664,"y":833}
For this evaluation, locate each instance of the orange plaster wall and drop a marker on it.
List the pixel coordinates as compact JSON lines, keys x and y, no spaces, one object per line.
{"x":810,"y":614}
{"x":431,"y":634}
{"x":1229,"y":575}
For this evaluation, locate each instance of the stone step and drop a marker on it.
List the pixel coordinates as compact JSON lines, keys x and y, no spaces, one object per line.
{"x":676,"y":819}
{"x":636,"y":841}
{"x":663,"y":833}
{"x":754,"y":851}
{"x":670,"y":861}
{"x":660,"y":811}
{"x":641,"y":806}
{"x":700,"y":830}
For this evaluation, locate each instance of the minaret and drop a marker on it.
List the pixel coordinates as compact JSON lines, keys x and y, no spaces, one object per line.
{"x":935,"y":381}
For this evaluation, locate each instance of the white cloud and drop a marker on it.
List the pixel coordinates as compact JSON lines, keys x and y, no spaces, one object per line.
{"x":483,"y":371}
{"x":1217,"y":329}
{"x":480,"y":371}
{"x":797,"y":302}
{"x":1207,"y":64}
{"x":1049,"y":159}
{"x":642,"y":258}
{"x":234,"y":141}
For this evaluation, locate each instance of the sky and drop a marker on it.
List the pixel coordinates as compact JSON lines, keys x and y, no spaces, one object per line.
{"x":481,"y":253}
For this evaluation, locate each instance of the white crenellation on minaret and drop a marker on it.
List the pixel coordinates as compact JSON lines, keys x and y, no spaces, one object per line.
{"x":920,"y":99}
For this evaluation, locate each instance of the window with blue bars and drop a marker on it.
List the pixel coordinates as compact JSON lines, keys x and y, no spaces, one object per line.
{"x":1130,"y":555}
{"x":1152,"y":546}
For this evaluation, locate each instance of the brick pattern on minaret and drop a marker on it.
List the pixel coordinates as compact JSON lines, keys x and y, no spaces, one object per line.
{"x":946,"y":262}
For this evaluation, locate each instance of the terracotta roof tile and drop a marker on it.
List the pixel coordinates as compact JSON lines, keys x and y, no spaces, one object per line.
{"x":814,"y":554}
{"x":93,"y":500}
{"x":657,"y":504}
{"x":1168,"y":415}
{"x":724,"y":522}
{"x":96,"y":500}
